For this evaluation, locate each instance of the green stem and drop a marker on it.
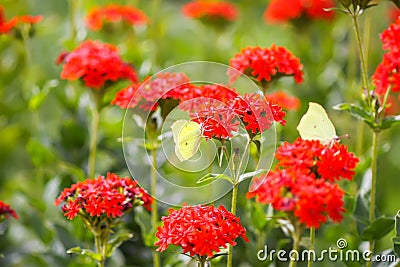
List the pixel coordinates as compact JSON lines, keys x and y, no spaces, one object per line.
{"x":94,"y":129}
{"x":100,"y":248}
{"x":233,"y":210}
{"x":312,"y":245}
{"x":155,"y":31}
{"x":374,"y":161}
{"x":361,"y":51}
{"x":154,"y":206}
{"x":296,"y":241}
{"x":72,"y":14}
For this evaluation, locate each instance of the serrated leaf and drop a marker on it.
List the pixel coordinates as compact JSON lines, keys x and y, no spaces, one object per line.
{"x":118,"y":238}
{"x":214,"y":176}
{"x":378,"y":229}
{"x":85,"y":252}
{"x":251,"y":174}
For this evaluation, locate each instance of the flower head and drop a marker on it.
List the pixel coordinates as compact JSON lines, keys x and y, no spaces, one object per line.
{"x":6,"y":211}
{"x":303,"y":181}
{"x":114,"y":13}
{"x":277,"y":10}
{"x":284,"y":100}
{"x":96,"y":64}
{"x":7,"y":26}
{"x":265,"y":64}
{"x":387,"y":73}
{"x":108,"y":196}
{"x":199,"y":230}
{"x":210,"y":10}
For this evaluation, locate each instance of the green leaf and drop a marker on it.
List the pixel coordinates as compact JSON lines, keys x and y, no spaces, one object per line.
{"x":246,"y":175}
{"x":361,"y":213}
{"x":396,"y":239}
{"x":388,"y":121}
{"x":378,"y":229}
{"x":143,"y":219}
{"x":214,"y":176}
{"x":118,"y":238}
{"x":257,"y":216}
{"x":358,"y":112}
{"x":40,"y":155}
{"x":85,"y":252}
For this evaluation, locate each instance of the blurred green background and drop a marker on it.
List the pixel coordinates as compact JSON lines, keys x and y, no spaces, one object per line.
{"x":44,"y":120}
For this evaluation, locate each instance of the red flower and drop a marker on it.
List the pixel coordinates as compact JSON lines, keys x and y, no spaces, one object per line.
{"x":394,"y":13}
{"x":303,"y":181}
{"x":391,"y":37}
{"x":30,"y":19}
{"x":210,"y":9}
{"x":277,"y":10}
{"x":96,"y":64}
{"x":265,"y":64}
{"x":147,"y":93}
{"x":6,"y":26}
{"x":284,"y":100}
{"x":6,"y":211}
{"x":387,"y":74}
{"x":199,"y":230}
{"x":108,"y":196}
{"x":114,"y":13}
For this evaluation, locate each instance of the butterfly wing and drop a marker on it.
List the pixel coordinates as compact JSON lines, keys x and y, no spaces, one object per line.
{"x":316,"y":125}
{"x":187,"y":136}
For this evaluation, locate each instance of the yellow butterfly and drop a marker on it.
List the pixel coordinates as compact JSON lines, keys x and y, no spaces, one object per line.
{"x":316,"y":125}
{"x":187,"y":136}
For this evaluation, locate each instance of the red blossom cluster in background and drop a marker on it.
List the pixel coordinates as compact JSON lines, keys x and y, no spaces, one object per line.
{"x":6,"y":211}
{"x":387,"y":74}
{"x":278,"y":11}
{"x":303,"y":181}
{"x":111,"y":13}
{"x":199,"y":230}
{"x":105,"y":196}
{"x":265,"y":64}
{"x":212,"y":10}
{"x":7,"y":26}
{"x":284,"y":100}
{"x":96,"y":64}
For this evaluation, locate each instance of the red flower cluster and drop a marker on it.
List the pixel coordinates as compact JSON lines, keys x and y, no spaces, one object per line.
{"x":96,"y":64}
{"x":277,"y":10}
{"x":114,"y":13}
{"x":284,"y":100}
{"x":210,"y":10}
{"x":387,"y":74}
{"x":199,"y":230}
{"x":147,"y":93}
{"x":394,"y":13}
{"x":266,"y":64}
{"x":6,"y":211}
{"x":6,"y":26}
{"x":219,"y":113}
{"x":104,"y":196}
{"x":303,"y":181}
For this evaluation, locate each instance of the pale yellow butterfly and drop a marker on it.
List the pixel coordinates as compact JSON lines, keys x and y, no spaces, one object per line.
{"x":316,"y":125}
{"x":187,"y":136}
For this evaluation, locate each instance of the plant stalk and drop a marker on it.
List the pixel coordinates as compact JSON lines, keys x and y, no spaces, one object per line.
{"x":94,"y":132}
{"x":374,"y":165}
{"x":154,"y":206}
{"x":312,"y":245}
{"x":364,"y":71}
{"x":72,"y":14}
